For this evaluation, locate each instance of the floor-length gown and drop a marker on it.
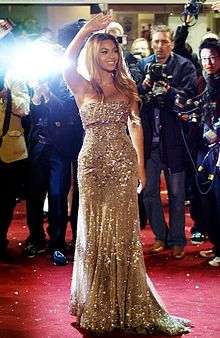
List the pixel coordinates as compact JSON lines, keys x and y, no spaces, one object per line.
{"x":110,"y":288}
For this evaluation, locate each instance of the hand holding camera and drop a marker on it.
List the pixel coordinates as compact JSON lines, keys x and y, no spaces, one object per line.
{"x":41,"y":90}
{"x":156,"y":83}
{"x":147,"y":83}
{"x":191,"y":12}
{"x":6,"y":26}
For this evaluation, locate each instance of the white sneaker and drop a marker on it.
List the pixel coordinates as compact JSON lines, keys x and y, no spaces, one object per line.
{"x":207,"y":253}
{"x":215,"y":261}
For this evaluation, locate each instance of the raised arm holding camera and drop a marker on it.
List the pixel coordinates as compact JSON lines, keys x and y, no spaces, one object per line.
{"x":165,"y":74}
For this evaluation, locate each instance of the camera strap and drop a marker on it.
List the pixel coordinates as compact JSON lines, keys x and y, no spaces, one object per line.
{"x":7,"y":118}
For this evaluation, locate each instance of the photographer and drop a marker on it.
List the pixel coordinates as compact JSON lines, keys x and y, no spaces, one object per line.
{"x":164,"y":74}
{"x":14,"y":104}
{"x":52,"y":147}
{"x":183,"y":49}
{"x":210,"y":57}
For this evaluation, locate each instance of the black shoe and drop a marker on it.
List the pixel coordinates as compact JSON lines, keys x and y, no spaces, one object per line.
{"x":31,"y":250}
{"x":71,"y":246}
{"x":59,"y":258}
{"x":6,"y":257}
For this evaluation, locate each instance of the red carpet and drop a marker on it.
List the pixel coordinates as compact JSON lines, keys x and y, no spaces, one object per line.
{"x":34,"y":294}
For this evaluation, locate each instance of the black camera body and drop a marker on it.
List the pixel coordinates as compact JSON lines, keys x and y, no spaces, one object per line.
{"x":155,"y":73}
{"x":191,"y":11}
{"x":192,"y":8}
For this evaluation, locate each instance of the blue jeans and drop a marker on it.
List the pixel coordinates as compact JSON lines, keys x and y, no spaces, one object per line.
{"x":175,"y":233}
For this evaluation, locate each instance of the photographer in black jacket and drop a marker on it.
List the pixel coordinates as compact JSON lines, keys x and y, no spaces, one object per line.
{"x":164,"y":148}
{"x":193,"y":132}
{"x":210,"y":150}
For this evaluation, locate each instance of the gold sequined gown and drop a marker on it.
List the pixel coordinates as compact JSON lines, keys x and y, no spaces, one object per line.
{"x":110,"y":288}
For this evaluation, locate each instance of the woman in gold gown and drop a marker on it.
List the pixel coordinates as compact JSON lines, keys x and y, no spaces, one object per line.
{"x":110,"y":289}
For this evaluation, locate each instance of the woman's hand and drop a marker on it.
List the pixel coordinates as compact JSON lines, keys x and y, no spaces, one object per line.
{"x":98,"y":22}
{"x":142,"y":178}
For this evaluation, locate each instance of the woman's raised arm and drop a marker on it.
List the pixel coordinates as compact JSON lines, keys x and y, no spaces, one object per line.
{"x":71,"y":76}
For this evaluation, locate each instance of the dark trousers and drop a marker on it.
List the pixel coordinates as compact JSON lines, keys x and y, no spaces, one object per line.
{"x":48,"y":172}
{"x":152,"y":201}
{"x":12,"y":178}
{"x":211,"y":214}
{"x":196,"y":207}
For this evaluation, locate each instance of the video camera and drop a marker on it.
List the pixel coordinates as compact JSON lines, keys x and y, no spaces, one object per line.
{"x":191,"y":11}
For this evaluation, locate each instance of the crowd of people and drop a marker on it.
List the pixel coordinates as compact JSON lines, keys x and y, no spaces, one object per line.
{"x":130,"y":116}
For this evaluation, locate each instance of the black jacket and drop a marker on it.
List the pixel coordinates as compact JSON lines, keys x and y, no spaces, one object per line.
{"x":57,"y":122}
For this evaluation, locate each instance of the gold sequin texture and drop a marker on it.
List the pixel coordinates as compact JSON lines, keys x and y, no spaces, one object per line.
{"x":110,"y":289}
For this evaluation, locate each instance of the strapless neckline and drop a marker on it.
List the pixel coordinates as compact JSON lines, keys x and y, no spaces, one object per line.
{"x":122,"y":102}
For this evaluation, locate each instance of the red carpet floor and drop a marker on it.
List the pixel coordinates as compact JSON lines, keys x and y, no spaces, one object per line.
{"x":34,"y":294}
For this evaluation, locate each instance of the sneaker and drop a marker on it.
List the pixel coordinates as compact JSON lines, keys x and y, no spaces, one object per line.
{"x":158,"y":246}
{"x":215,"y":262}
{"x":207,"y":253}
{"x":197,"y":238}
{"x":59,"y":258}
{"x":32,"y":250}
{"x":178,"y":251}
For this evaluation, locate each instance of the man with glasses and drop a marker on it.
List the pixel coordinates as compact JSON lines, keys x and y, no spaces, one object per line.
{"x":209,"y":51}
{"x":163,"y":142}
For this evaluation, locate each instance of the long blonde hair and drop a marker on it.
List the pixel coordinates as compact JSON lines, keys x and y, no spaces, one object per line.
{"x":122,"y":80}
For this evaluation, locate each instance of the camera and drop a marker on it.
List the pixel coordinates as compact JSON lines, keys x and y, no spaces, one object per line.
{"x":6,"y":26}
{"x":155,"y":73}
{"x":192,"y":8}
{"x":122,"y":39}
{"x":191,"y":11}
{"x":196,"y":109}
